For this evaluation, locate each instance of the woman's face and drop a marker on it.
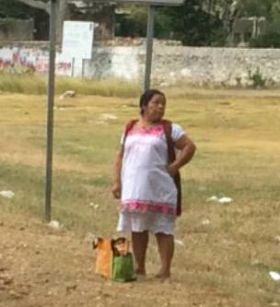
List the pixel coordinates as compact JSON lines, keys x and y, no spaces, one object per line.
{"x":155,"y":109}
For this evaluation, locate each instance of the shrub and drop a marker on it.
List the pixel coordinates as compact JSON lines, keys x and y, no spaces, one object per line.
{"x":257,"y":79}
{"x":268,"y":40}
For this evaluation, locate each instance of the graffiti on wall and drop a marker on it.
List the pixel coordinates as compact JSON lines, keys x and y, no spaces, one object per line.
{"x":22,"y":61}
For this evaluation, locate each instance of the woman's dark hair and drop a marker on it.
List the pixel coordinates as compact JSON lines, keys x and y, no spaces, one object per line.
{"x":147,"y":96}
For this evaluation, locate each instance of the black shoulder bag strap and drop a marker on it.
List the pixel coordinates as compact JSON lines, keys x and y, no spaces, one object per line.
{"x":167,"y":125}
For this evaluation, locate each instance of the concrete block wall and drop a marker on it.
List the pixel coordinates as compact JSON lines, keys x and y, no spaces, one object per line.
{"x":193,"y":65}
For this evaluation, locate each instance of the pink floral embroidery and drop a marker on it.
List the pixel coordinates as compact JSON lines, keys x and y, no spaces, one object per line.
{"x":147,"y":206}
{"x":155,"y":130}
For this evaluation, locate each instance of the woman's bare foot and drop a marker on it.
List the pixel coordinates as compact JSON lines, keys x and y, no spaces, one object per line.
{"x":140,"y":272}
{"x":140,"y":275}
{"x":163,"y":276}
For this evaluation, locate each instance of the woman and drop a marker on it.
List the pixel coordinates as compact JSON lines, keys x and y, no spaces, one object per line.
{"x":144,"y":181}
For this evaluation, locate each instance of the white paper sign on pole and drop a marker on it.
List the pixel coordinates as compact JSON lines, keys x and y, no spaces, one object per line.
{"x":78,"y":39}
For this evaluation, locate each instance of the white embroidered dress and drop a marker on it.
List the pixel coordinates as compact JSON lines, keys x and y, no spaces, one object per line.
{"x":149,"y":195}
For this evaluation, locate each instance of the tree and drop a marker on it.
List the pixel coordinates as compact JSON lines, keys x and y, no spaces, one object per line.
{"x":189,"y":23}
{"x":270,"y":9}
{"x":62,"y":9}
{"x":10,"y":9}
{"x":195,"y":24}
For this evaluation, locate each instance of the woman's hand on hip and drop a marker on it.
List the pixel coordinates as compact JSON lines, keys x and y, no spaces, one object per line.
{"x":116,"y":190}
{"x":172,"y":169}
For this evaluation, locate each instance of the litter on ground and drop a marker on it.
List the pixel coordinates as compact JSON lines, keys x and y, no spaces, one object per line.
{"x":275,"y":275}
{"x":221,"y":200}
{"x":107,"y":116}
{"x":55,"y":225}
{"x":95,"y":206}
{"x":179,"y":242}
{"x":213,"y":198}
{"x":225,"y":200}
{"x":66,"y":94}
{"x":205,"y":222}
{"x":7,"y":194}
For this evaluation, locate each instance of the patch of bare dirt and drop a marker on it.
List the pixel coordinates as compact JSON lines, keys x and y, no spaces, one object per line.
{"x":40,"y":266}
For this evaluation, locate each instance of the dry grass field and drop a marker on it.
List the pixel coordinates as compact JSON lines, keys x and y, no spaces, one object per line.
{"x":224,"y":252}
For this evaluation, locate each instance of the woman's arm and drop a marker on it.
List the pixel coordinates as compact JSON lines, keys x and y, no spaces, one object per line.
{"x":116,"y":189}
{"x":187,"y":149}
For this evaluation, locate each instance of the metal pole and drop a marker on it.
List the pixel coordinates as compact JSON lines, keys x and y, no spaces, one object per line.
{"x":51,"y":93}
{"x":73,"y":67}
{"x":83,"y":68}
{"x":149,"y":50}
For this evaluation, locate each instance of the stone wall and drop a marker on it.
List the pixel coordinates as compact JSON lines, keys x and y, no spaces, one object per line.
{"x":218,"y":66}
{"x":193,"y":65}
{"x":117,"y":62}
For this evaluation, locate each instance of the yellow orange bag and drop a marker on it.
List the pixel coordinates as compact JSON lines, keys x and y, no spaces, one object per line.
{"x":114,"y":260}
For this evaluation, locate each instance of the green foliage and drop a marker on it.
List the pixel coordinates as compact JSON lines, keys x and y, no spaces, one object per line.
{"x":189,"y":23}
{"x":197,"y":22}
{"x":257,"y":79}
{"x":134,"y":23}
{"x":193,"y":26}
{"x":15,"y":9}
{"x":257,"y":7}
{"x":270,"y":9}
{"x":271,"y":39}
{"x":268,"y":40}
